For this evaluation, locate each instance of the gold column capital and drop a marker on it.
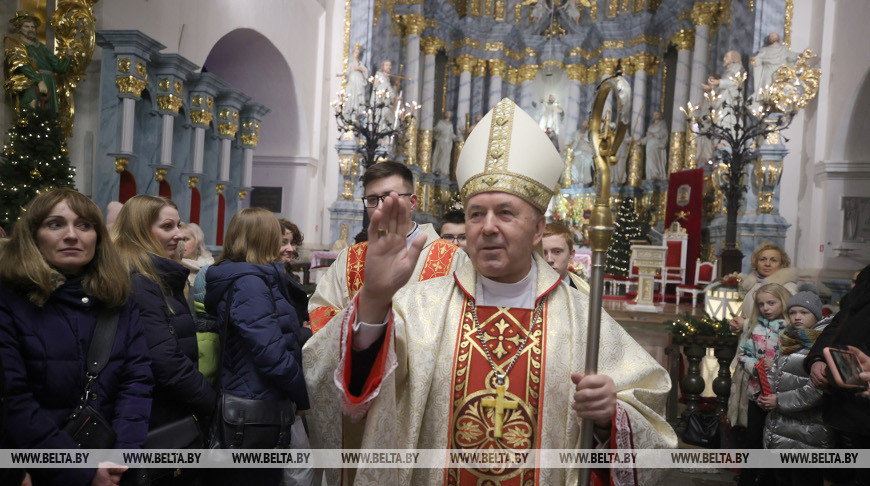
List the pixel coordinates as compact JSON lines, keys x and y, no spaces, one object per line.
{"x":644,"y":61}
{"x":465,"y":63}
{"x":592,"y":74}
{"x":219,"y":189}
{"x":607,"y":66}
{"x":431,"y":45}
{"x":242,"y":195}
{"x":413,"y":24}
{"x":527,"y":72}
{"x":706,"y":13}
{"x":130,"y":85}
{"x":497,"y":67}
{"x":513,"y":75}
{"x":192,"y":181}
{"x":159,"y":174}
{"x":480,"y":68}
{"x":628,"y":66}
{"x":169,"y":103}
{"x":576,"y":72}
{"x":121,"y":164}
{"x":250,"y":139}
{"x":684,"y":39}
{"x":201,"y":118}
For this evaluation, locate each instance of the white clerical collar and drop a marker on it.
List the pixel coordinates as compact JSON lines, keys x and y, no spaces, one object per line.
{"x":519,"y":295}
{"x":416,"y":230}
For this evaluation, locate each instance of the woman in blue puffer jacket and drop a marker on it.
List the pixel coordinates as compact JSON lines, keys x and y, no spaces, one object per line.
{"x":58,"y":272}
{"x":262,"y":351}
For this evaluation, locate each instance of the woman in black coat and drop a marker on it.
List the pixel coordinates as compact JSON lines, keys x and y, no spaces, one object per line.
{"x":58,"y":272}
{"x":148,"y":234}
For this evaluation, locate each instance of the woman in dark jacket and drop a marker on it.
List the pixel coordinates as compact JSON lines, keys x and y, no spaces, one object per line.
{"x":58,"y":272}
{"x":148,"y":235}
{"x":262,"y":354}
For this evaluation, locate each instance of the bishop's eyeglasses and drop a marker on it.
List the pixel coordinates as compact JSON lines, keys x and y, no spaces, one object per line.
{"x":373,"y":201}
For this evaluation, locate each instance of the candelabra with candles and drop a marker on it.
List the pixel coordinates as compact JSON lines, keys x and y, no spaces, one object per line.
{"x":376,"y":122}
{"x":737,"y":126}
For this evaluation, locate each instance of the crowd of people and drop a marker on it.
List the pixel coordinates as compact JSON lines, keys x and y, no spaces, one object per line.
{"x":783,"y":395}
{"x":408,"y":341}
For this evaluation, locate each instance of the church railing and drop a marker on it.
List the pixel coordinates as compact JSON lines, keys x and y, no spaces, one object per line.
{"x":695,"y":347}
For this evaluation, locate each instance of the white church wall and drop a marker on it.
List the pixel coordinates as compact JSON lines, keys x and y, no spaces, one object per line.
{"x":192,"y":28}
{"x":823,"y":164}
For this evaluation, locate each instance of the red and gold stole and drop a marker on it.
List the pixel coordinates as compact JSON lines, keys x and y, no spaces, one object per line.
{"x":472,"y":417}
{"x":439,"y":259}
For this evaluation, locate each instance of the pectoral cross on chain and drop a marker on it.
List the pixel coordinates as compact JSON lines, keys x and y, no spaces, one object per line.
{"x":499,"y":403}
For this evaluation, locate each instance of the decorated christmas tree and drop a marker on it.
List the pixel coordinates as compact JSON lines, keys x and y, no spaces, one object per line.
{"x":34,"y":159}
{"x":626,"y":228}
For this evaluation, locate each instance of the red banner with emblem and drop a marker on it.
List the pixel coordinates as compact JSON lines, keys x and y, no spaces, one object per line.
{"x":686,"y":206}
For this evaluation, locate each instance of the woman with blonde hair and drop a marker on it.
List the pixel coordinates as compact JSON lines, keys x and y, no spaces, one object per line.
{"x":262,"y":340}
{"x":148,"y":234}
{"x":195,"y":255}
{"x":59,"y":274}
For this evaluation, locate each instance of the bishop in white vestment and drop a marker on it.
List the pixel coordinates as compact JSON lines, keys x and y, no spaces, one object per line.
{"x":489,"y":356}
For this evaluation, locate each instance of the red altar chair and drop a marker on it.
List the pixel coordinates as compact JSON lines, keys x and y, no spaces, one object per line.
{"x":676,"y":239}
{"x":705,"y":274}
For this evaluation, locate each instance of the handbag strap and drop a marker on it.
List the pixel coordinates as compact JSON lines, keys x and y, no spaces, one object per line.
{"x":99,"y":350}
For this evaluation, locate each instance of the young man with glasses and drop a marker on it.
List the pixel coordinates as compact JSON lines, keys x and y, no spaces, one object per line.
{"x":345,"y":277}
{"x":453,"y":228}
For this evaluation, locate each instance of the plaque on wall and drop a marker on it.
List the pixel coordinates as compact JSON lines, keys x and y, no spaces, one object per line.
{"x":267,"y":197}
{"x":856,"y":219}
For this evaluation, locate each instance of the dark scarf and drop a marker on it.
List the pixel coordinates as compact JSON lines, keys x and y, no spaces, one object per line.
{"x":792,"y":339}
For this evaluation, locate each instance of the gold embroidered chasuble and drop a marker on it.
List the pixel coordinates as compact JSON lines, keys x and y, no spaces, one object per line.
{"x":430,"y":388}
{"x":345,"y":277}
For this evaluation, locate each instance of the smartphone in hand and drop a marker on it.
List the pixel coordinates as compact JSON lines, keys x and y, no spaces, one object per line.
{"x":844,"y":368}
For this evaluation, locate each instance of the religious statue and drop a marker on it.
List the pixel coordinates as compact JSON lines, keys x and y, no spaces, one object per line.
{"x":357,"y":81}
{"x":470,"y":128}
{"x":656,"y":141}
{"x":444,"y":136}
{"x":770,"y":58}
{"x":727,"y":87}
{"x":384,"y":96}
{"x":550,"y":115}
{"x":30,"y":67}
{"x":581,"y":169}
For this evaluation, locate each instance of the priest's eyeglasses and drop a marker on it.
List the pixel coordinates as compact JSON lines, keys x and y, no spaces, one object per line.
{"x":453,"y":238}
{"x":374,"y":201}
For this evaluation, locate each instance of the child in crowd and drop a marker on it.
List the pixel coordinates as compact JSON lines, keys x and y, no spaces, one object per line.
{"x":760,"y":345}
{"x":794,"y":419}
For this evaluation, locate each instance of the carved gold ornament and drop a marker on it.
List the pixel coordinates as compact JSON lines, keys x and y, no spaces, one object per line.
{"x":130,"y":85}
{"x":201,"y":117}
{"x":227,"y":129}
{"x":164,"y":84}
{"x":141,"y":70}
{"x":124,"y":65}
{"x":242,"y":195}
{"x":121,"y":164}
{"x":74,"y":27}
{"x":169,"y":103}
{"x":192,"y":181}
{"x":795,"y":86}
{"x":219,"y":189}
{"x":196,"y":101}
{"x":250,"y":139}
{"x":159,"y":174}
{"x":179,"y":88}
{"x":209,"y":102}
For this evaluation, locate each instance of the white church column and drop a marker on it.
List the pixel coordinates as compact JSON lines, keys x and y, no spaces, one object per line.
{"x":684,"y":40}
{"x":573,"y":108}
{"x":465,"y":63}
{"x":497,"y":68}
{"x":640,"y":63}
{"x":430,"y":45}
{"x":413,"y":24}
{"x":528,"y":72}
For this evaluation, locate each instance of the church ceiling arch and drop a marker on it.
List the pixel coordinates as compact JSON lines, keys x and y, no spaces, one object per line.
{"x":248,"y":61}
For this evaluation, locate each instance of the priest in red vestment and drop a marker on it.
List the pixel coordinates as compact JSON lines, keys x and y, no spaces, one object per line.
{"x":488,"y":357}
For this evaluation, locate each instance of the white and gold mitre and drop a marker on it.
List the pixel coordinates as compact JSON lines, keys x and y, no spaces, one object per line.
{"x":508,"y":152}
